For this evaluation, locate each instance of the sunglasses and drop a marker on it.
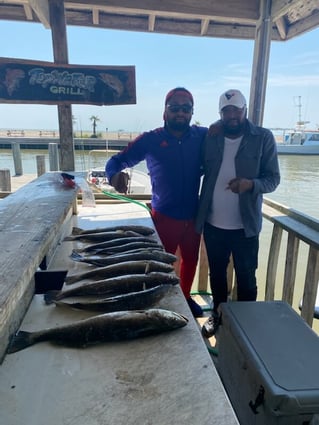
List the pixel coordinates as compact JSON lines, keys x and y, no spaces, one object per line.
{"x":186,"y":109}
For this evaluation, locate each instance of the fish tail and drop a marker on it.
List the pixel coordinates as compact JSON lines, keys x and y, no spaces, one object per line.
{"x":51,"y":296}
{"x":20,"y":341}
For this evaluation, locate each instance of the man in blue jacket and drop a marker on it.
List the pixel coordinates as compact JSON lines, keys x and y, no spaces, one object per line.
{"x":240,"y":164}
{"x":172,"y":155}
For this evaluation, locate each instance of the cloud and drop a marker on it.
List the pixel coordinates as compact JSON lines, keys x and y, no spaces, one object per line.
{"x":284,"y":80}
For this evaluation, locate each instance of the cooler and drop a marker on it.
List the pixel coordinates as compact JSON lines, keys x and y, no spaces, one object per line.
{"x":268,"y":360}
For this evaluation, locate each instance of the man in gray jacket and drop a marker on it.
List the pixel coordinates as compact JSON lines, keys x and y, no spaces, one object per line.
{"x":240,"y":164}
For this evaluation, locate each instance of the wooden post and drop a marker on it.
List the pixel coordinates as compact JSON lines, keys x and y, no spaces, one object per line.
{"x":40,"y":164}
{"x":60,"y":53}
{"x":5,"y":180}
{"x":17,"y":159}
{"x":53,"y":157}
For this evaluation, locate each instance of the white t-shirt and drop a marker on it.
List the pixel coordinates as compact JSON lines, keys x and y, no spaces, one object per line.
{"x":224,"y":212}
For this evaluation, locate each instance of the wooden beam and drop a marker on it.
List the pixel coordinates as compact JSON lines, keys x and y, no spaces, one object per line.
{"x":96,"y":16}
{"x":260,"y":64}
{"x":280,"y":8}
{"x":151,"y":22}
{"x":60,"y":51}
{"x":282,"y":27}
{"x":41,"y":9}
{"x":201,"y":9}
{"x":204,"y":26}
{"x":302,"y":26}
{"x":28,"y":12}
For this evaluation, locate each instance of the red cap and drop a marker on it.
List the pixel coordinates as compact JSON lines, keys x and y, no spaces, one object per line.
{"x":179,"y":89}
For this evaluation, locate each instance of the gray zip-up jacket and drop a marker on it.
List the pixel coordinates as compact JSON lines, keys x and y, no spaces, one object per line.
{"x":256,"y":159}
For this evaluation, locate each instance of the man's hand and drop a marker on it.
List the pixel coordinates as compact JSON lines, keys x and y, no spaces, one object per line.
{"x":120,"y":182}
{"x":239,"y":185}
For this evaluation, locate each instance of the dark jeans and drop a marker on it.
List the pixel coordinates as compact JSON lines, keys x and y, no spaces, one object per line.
{"x":220,"y":244}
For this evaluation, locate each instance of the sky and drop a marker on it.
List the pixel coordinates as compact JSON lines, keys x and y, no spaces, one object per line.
{"x":205,"y":66}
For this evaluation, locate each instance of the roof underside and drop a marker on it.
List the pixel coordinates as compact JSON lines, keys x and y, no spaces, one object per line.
{"x":235,"y":19}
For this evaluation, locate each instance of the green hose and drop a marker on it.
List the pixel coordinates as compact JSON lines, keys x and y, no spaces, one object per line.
{"x":126,"y":199}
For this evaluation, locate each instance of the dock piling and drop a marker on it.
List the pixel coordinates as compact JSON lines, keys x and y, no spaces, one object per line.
{"x":17,"y":159}
{"x":5,"y":180}
{"x":40,"y":164}
{"x":53,"y":157}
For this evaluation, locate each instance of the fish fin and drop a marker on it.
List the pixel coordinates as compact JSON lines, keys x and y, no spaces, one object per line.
{"x":50,"y":297}
{"x":76,"y":256}
{"x":77,"y":231}
{"x":20,"y":341}
{"x":148,"y":268}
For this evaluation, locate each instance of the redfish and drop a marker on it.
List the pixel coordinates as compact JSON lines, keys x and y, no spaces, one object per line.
{"x":116,"y":326}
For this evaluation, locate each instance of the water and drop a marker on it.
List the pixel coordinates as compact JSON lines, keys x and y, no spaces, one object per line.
{"x":299,"y":175}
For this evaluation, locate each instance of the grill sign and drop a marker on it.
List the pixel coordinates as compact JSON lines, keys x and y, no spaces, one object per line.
{"x":23,"y":81}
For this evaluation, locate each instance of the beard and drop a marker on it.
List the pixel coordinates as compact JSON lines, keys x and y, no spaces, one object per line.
{"x":234,"y":127}
{"x":178,"y":125}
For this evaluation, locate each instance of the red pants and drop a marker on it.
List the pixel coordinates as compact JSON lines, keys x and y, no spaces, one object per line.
{"x":180,"y":235}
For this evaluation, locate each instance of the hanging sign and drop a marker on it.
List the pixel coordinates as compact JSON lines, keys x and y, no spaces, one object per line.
{"x":24,"y":81}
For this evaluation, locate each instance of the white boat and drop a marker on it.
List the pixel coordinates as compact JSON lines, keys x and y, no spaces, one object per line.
{"x":139,"y":182}
{"x":299,"y":142}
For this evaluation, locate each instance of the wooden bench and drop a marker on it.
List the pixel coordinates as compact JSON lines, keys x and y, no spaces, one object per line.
{"x":31,"y":226}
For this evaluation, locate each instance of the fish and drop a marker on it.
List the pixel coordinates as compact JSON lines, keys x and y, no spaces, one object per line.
{"x":129,"y":247}
{"x":103,"y":236}
{"x":116,"y":242}
{"x":136,"y":300}
{"x":100,"y":261}
{"x":114,"y":285}
{"x":143,"y":230}
{"x":127,"y":267}
{"x":107,"y":327}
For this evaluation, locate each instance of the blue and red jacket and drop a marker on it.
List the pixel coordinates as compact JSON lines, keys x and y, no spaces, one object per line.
{"x":174,"y":167}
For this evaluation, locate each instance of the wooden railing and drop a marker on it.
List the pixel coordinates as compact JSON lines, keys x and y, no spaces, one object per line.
{"x":299,"y":228}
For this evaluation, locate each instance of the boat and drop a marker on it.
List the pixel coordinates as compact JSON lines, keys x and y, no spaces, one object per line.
{"x":299,"y":142}
{"x":139,"y":182}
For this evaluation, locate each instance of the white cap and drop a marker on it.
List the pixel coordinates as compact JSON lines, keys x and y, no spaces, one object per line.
{"x":232,"y":98}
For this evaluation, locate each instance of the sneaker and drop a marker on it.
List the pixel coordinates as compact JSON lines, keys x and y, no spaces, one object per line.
{"x":211,"y":326}
{"x":195,"y":308}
